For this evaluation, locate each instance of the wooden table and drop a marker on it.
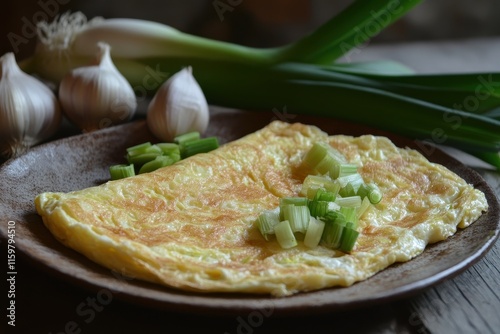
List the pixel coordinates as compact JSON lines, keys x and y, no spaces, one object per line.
{"x":468,"y":303}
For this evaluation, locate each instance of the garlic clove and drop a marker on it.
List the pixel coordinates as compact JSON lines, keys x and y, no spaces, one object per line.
{"x":97,"y":96}
{"x":29,"y":110}
{"x":179,"y":106}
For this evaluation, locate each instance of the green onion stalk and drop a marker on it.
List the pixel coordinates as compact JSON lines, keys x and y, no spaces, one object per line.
{"x":409,"y":107}
{"x":303,"y":75}
{"x":71,"y":40}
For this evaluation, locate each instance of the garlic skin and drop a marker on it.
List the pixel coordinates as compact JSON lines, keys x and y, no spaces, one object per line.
{"x":29,"y":110}
{"x":178,"y":107}
{"x":97,"y":96}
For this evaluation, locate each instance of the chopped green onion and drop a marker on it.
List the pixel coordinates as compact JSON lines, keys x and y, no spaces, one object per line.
{"x":374,"y":194}
{"x":138,"y":149}
{"x":158,"y":162}
{"x":169,"y":148}
{"x":299,"y":201}
{"x":371,"y":191}
{"x":330,"y":210}
{"x":318,"y":208}
{"x":363,"y":190}
{"x":332,"y":234}
{"x":314,"y":233}
{"x":323,"y":195}
{"x":140,"y":159}
{"x":331,"y":163}
{"x":315,"y":154}
{"x":332,"y":206}
{"x":297,"y":216}
{"x":347,"y":169}
{"x":351,"y":201}
{"x":328,"y":166}
{"x":356,"y":180}
{"x":347,"y":191}
{"x":121,"y":171}
{"x":349,"y":237}
{"x":325,"y":159}
{"x":203,"y":145}
{"x":365,"y":204}
{"x":350,"y":214}
{"x":267,"y":221}
{"x":187,"y":137}
{"x":284,"y":235}
{"x":316,"y":182}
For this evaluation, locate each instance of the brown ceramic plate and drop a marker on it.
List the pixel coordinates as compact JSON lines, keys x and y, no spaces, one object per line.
{"x":81,"y":161}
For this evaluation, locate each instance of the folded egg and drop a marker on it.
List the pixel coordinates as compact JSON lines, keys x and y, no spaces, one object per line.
{"x":191,"y":226}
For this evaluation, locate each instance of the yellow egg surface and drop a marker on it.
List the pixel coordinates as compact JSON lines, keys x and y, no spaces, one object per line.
{"x":191,"y":225}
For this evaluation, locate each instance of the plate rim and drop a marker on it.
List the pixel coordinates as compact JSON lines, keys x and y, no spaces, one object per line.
{"x":252,"y":302}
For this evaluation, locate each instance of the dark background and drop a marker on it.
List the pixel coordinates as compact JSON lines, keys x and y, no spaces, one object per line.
{"x":254,"y":22}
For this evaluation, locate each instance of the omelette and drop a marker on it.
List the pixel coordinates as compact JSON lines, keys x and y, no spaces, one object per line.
{"x":191,"y":225}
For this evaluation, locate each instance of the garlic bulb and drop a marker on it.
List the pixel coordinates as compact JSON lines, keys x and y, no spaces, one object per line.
{"x":97,"y":96}
{"x":179,"y":106}
{"x":29,"y":110}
